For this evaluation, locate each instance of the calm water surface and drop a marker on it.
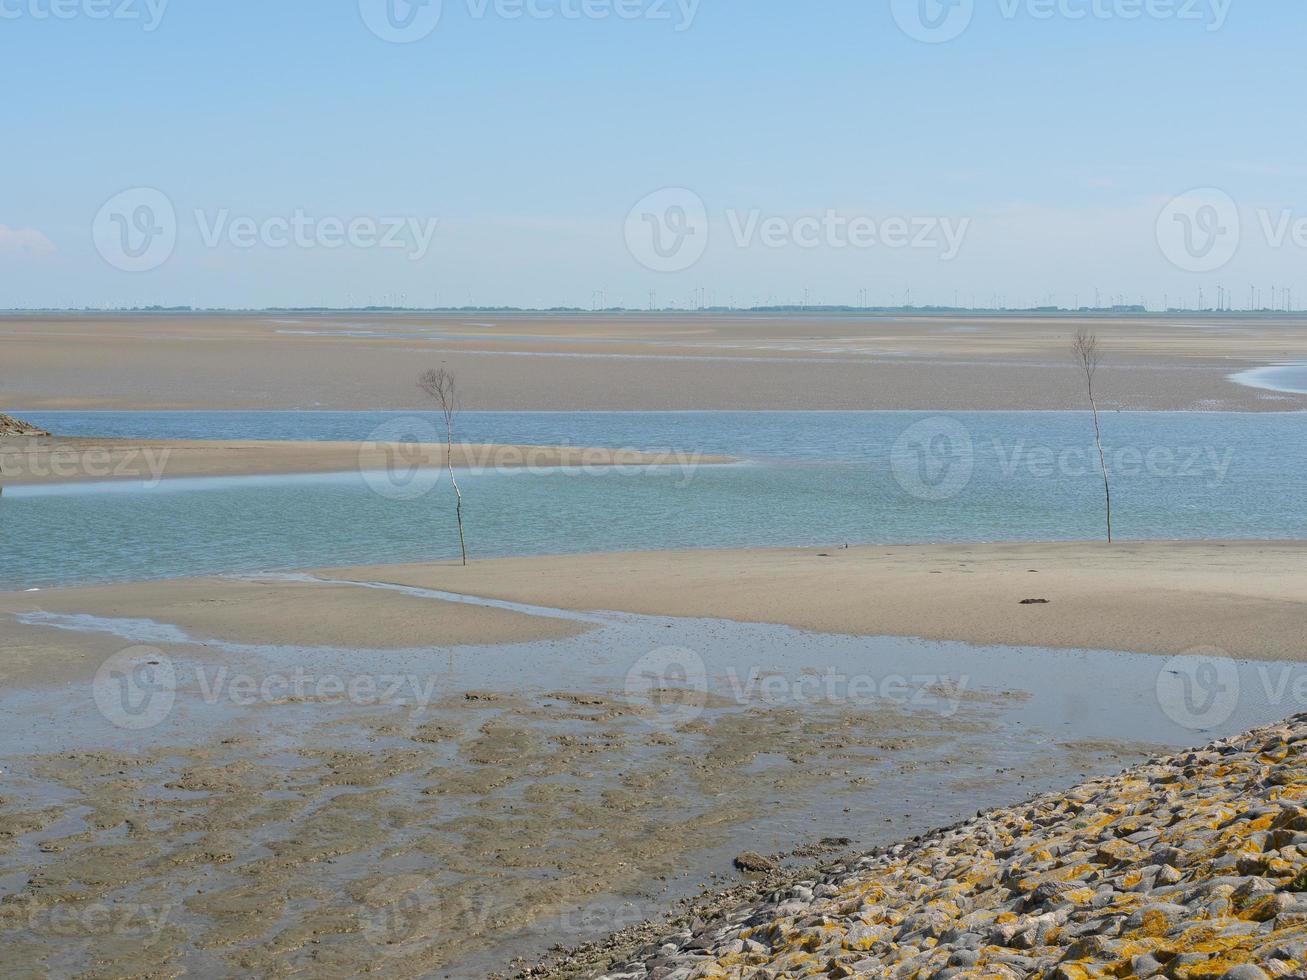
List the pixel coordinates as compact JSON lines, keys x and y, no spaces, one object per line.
{"x":1278,"y":377}
{"x":806,"y":478}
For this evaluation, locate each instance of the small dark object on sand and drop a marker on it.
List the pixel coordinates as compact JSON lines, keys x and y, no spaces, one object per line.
{"x":1034,"y":602}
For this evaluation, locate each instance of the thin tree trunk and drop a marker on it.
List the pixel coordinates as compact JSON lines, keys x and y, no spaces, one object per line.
{"x":458,"y":495}
{"x":1102,"y":461}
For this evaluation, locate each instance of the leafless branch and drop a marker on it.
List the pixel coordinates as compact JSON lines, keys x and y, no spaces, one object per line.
{"x":438,"y":384}
{"x":1087,"y":353}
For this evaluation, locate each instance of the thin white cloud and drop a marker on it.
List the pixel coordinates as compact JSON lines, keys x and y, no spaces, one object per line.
{"x":26,"y":242}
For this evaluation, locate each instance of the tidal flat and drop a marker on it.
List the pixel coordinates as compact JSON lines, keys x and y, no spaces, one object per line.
{"x":204,"y":805}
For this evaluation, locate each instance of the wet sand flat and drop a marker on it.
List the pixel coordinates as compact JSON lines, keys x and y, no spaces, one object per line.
{"x":638,"y":361}
{"x":34,"y":461}
{"x":1248,"y":599}
{"x":221,"y":799}
{"x":252,"y":612}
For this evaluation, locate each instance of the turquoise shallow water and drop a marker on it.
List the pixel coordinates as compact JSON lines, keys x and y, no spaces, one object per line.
{"x":809,"y":478}
{"x":1278,"y":377}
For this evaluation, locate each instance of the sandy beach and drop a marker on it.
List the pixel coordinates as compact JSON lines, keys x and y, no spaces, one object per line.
{"x":1245,"y":599}
{"x":250,"y":612}
{"x":27,"y":461}
{"x":639,"y":361}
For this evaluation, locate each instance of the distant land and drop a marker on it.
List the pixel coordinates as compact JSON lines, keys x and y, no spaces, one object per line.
{"x":1128,"y":310}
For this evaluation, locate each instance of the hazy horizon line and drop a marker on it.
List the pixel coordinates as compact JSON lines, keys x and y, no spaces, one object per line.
{"x":1130,"y":310}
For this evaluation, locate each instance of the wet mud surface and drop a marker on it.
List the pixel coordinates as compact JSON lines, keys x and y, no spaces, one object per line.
{"x":458,"y":812}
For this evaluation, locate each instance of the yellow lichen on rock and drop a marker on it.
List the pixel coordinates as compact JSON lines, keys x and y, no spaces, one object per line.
{"x":1188,"y":868}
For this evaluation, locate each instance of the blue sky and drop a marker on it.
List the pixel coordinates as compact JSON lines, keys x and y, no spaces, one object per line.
{"x":502,"y":154}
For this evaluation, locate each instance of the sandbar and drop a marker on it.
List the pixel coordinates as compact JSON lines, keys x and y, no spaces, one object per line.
{"x":34,"y":461}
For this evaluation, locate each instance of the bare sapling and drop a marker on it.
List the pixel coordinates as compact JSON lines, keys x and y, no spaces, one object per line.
{"x":439,"y":386}
{"x":1088,"y":354}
